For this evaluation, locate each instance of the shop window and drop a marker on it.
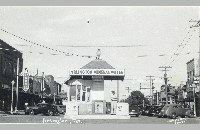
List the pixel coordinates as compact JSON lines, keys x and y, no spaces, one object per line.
{"x":193,"y":73}
{"x":84,"y":88}
{"x":83,"y":96}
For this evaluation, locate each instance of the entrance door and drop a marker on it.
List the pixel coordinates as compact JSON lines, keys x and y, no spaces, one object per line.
{"x":99,"y":107}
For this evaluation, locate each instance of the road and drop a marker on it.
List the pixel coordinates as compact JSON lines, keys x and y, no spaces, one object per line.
{"x":61,"y":120}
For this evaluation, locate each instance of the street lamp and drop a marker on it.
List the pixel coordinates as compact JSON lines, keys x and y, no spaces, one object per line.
{"x":11,"y":108}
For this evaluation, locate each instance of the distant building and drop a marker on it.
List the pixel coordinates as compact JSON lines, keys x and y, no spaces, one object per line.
{"x":36,"y":85}
{"x":49,"y":79}
{"x":192,"y":70}
{"x":156,"y":98}
{"x":170,"y":94}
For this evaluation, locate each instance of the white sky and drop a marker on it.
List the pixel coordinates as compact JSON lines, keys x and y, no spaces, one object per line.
{"x":158,"y":29}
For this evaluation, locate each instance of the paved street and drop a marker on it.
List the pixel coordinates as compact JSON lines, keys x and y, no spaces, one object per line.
{"x":61,"y":120}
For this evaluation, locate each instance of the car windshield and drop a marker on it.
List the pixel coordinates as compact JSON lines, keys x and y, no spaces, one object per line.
{"x":165,"y":107}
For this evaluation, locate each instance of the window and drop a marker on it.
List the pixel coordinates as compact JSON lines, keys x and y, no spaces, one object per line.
{"x":4,"y":67}
{"x":193,"y":73}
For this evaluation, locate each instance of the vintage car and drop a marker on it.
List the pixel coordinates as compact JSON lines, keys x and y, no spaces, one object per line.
{"x":153,"y":109}
{"x":134,"y":110}
{"x":145,"y":110}
{"x":158,"y":110}
{"x":175,"y":110}
{"x":42,"y":108}
{"x":61,"y":109}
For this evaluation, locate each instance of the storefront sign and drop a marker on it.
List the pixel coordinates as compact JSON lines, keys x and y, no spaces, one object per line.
{"x":103,"y":72}
{"x":26,"y":82}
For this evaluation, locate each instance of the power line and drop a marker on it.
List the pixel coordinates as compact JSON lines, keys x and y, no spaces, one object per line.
{"x":121,"y":46}
{"x":40,"y":45}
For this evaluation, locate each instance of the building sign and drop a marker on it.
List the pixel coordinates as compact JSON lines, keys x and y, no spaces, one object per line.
{"x":26,"y":81}
{"x":196,"y":80}
{"x":103,"y":72}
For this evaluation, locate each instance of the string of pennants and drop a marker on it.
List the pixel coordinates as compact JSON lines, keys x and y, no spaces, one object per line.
{"x":181,"y":47}
{"x":55,"y":54}
{"x":68,"y":54}
{"x":40,"y":45}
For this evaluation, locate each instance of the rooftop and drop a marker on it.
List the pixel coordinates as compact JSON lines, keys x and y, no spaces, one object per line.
{"x":98,"y":64}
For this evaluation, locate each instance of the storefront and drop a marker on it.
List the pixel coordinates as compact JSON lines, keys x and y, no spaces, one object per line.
{"x":86,"y":93}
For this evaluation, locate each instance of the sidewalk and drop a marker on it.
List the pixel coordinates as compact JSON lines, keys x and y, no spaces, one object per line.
{"x":19,"y":112}
{"x":2,"y":113}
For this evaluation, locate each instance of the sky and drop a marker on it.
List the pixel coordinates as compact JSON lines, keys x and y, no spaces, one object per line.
{"x":152,"y":36}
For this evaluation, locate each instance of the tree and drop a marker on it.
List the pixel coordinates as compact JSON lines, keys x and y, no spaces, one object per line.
{"x":136,"y":98}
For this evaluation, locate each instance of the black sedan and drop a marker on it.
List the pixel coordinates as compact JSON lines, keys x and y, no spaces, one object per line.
{"x":134,"y":110}
{"x":153,"y":109}
{"x":42,"y":108}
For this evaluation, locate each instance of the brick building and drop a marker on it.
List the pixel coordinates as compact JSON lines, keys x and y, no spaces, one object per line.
{"x":8,"y":72}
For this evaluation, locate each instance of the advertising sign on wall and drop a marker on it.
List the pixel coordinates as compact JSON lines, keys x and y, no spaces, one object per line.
{"x":103,"y":72}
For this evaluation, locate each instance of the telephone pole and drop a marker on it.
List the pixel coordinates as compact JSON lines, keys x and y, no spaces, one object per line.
{"x":150,"y":87}
{"x":152,"y":90}
{"x":165,"y":79}
{"x":128,"y":89}
{"x":17,"y":85}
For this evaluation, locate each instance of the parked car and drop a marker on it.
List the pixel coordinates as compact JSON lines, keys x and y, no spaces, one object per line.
{"x":174,"y":110}
{"x":145,"y":110}
{"x":42,"y":108}
{"x":158,"y":110}
{"x":152,"y":110}
{"x":61,"y":109}
{"x":134,"y":110}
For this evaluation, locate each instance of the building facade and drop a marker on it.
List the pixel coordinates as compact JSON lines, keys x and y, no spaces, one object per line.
{"x":8,"y":72}
{"x":193,"y":71}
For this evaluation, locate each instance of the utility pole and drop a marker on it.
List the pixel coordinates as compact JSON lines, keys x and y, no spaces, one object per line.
{"x":42,"y":85}
{"x":17,"y":84}
{"x":143,"y":88}
{"x":151,"y":89}
{"x":11,"y":106}
{"x":117,"y":90}
{"x":54,"y":98}
{"x":166,"y":79}
{"x":128,"y":89}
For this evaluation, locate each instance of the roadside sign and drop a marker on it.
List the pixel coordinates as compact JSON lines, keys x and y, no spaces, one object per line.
{"x":196,"y":80}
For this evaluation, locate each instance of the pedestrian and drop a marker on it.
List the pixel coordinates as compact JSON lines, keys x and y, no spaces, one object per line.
{"x":113,"y":102}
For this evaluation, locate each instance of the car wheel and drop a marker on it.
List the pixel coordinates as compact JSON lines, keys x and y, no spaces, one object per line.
{"x":137,"y":115}
{"x":31,"y":112}
{"x":50,"y":113}
{"x":191,"y":115}
{"x":173,"y":115}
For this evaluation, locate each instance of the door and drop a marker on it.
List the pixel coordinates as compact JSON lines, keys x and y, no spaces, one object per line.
{"x":99,"y":107}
